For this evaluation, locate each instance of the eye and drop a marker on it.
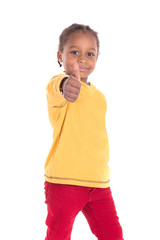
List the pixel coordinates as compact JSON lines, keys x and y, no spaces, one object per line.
{"x":90,"y":54}
{"x":75,"y":52}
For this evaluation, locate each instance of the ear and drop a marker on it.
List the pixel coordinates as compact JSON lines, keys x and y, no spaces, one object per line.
{"x":59,"y":56}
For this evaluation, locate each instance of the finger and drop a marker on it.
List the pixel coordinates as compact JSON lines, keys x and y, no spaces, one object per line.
{"x":75,"y":84}
{"x":70,"y":99}
{"x":74,"y":90}
{"x":76,"y":73}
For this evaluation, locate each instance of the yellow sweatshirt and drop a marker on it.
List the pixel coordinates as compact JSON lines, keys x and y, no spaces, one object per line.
{"x":79,"y":154}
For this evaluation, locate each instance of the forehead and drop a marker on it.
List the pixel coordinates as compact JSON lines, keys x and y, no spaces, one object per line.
{"x":81,"y":38}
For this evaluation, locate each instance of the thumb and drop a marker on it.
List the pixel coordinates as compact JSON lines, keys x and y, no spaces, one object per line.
{"x":75,"y":72}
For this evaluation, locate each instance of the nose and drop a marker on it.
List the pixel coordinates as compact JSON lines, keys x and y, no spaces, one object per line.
{"x":82,"y":59}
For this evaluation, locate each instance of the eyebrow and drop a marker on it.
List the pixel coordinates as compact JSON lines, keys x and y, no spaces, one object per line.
{"x":73,"y":47}
{"x":93,"y":49}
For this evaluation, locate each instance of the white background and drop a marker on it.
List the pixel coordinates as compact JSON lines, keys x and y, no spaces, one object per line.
{"x":128,"y":73}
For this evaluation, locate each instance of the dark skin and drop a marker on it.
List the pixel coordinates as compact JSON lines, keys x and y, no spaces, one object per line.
{"x":79,"y":58}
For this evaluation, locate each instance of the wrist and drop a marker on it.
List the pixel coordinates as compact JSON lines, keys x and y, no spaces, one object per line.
{"x":62,"y":84}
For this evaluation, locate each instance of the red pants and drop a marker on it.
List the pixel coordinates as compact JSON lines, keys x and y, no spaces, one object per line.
{"x":64,"y":202}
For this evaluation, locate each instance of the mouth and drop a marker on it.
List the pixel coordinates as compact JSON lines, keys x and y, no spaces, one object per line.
{"x":83,"y":69}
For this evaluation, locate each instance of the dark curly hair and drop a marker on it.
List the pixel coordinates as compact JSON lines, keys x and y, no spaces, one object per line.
{"x":74,"y":28}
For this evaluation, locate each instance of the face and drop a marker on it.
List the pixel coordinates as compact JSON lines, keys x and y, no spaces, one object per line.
{"x":80,"y":48}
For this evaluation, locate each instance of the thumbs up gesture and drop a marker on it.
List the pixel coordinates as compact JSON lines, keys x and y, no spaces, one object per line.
{"x":71,"y":86}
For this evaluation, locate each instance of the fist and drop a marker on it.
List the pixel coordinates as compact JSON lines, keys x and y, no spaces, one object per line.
{"x":72,"y":86}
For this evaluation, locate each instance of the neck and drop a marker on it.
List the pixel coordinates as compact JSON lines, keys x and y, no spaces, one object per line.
{"x":84,"y":80}
{"x":88,"y":83}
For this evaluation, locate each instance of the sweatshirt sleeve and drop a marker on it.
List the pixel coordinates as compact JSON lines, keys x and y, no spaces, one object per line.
{"x":54,"y":96}
{"x":55,"y":100}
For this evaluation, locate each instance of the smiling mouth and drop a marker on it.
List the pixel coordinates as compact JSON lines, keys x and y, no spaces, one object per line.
{"x":83,"y":69}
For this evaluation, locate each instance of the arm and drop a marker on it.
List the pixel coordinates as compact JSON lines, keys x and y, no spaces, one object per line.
{"x":55,"y":100}
{"x":62,"y":84}
{"x":54,"y":96}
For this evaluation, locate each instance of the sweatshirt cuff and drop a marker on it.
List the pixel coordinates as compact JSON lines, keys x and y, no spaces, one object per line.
{"x":54,"y":96}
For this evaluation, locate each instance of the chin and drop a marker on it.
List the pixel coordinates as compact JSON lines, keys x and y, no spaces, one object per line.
{"x":84,"y":75}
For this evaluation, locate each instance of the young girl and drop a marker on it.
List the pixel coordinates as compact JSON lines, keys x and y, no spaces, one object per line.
{"x":76,"y":169}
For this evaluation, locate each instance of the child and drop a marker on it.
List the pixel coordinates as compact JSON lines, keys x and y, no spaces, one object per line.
{"x":76,"y":169}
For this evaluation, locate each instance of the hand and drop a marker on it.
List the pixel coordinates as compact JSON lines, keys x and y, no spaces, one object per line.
{"x":72,"y":86}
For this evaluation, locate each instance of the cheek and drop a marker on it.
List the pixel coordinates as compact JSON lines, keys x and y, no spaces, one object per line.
{"x":68,"y":67}
{"x":93,"y":64}
{"x":68,"y":64}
